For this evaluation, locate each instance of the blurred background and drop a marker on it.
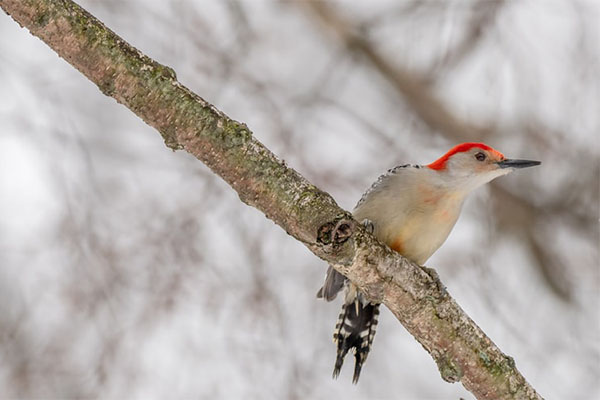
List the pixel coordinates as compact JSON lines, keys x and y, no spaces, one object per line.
{"x":131,"y":271}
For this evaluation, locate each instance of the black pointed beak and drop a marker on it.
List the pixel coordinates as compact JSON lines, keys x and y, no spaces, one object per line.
{"x":508,"y":163}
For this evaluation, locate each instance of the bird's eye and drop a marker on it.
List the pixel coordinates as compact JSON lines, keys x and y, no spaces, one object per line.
{"x":480,"y":156}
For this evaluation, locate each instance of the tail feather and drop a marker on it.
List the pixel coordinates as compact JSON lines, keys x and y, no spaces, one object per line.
{"x":334,"y":283}
{"x":355,"y":329}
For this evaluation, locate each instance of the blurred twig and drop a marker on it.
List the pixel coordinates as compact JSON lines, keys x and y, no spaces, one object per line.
{"x":433,"y":113}
{"x":484,"y":14}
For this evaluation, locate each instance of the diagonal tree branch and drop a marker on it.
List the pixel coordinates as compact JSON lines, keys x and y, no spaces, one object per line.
{"x":414,"y":294}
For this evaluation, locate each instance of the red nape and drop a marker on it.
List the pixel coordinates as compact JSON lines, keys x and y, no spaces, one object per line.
{"x":440,"y":163}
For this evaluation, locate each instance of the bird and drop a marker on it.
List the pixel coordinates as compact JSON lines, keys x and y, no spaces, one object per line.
{"x":412,"y":209}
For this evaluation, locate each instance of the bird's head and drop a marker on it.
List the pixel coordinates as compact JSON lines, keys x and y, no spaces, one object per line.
{"x":470,"y":165}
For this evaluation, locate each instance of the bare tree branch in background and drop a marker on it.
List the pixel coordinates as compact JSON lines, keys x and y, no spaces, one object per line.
{"x":436,"y":116}
{"x":414,"y":294}
{"x":485,"y":13}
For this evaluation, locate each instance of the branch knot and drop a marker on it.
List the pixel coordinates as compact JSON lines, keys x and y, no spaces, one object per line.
{"x":335,"y":233}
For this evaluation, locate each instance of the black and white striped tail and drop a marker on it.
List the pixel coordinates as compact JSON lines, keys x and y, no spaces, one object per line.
{"x":355,"y":330}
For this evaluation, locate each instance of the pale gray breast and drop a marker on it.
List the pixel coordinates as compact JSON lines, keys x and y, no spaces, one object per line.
{"x":411,"y":213}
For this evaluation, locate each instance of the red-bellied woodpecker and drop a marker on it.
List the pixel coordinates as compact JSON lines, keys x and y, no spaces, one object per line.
{"x":412,"y":209}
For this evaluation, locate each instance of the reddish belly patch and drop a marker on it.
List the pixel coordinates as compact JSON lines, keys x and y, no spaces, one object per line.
{"x":397,"y":245}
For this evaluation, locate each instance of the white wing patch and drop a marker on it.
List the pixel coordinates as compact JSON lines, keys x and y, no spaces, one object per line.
{"x":382,"y":178}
